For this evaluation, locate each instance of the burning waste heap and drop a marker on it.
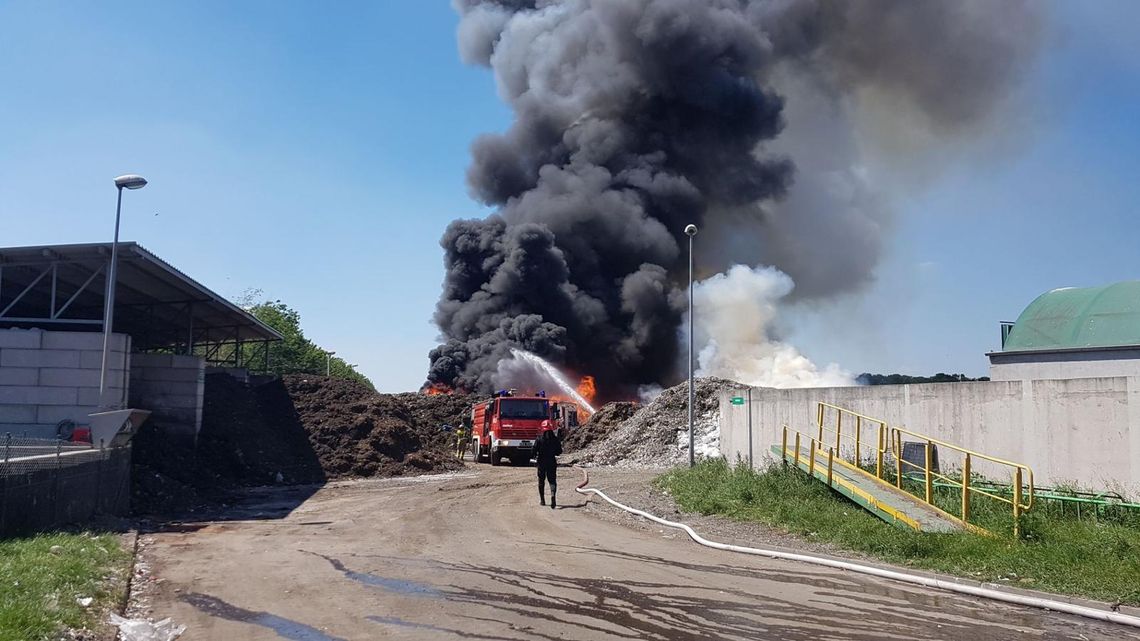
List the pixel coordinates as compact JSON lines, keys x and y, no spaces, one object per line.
{"x":760,"y":121}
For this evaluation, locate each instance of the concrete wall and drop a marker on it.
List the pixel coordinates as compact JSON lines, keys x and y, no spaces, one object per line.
{"x":172,"y":388}
{"x":46,"y":377}
{"x":1082,"y":364}
{"x":1084,"y":430}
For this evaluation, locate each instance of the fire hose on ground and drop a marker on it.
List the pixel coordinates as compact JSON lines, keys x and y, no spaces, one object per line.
{"x":938,"y":584}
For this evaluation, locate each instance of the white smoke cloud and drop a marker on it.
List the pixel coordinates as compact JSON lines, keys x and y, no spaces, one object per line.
{"x":646,"y":394}
{"x":736,"y":313}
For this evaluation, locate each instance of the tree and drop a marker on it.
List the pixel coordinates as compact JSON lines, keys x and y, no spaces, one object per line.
{"x":902,"y":379}
{"x":295,"y":354}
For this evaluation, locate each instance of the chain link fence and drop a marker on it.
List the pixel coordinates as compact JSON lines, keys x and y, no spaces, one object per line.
{"x":45,"y":483}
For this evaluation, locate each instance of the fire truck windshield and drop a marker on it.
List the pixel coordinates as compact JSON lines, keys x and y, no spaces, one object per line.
{"x":523,"y":408}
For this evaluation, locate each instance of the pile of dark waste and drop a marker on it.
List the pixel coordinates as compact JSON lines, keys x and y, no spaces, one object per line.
{"x":299,"y":429}
{"x":601,"y":424}
{"x":356,"y":432}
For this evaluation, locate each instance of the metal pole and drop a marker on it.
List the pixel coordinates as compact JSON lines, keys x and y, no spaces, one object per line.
{"x":898,"y":459}
{"x":1017,"y":503}
{"x":190,"y":333}
{"x":109,"y":307}
{"x":4,"y":485}
{"x":692,"y":329}
{"x":929,"y":472}
{"x":328,"y":364}
{"x":55,"y":485}
{"x":882,"y":440}
{"x":966,"y":489}
{"x":750,"y":428}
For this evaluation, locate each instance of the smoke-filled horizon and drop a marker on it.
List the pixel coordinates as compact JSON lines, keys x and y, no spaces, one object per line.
{"x":634,"y":118}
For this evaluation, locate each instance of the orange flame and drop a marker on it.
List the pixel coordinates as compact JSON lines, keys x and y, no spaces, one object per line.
{"x":587,"y":389}
{"x":436,"y":389}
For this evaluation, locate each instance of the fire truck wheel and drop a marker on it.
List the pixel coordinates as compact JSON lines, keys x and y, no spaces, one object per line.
{"x":496,"y":458}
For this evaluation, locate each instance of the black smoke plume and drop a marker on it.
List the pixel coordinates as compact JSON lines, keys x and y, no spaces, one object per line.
{"x":637,"y":117}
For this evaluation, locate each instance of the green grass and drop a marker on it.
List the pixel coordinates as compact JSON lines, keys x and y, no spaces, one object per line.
{"x":39,"y":587}
{"x":1099,"y":560}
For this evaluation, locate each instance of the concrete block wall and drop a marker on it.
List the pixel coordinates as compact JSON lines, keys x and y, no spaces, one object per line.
{"x":1079,"y":430}
{"x":172,"y":387}
{"x":47,"y":376}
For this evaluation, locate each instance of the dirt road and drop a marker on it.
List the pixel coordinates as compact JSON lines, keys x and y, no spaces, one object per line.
{"x":474,"y":556}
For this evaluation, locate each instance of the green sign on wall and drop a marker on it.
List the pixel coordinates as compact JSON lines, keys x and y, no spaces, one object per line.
{"x":738,"y":400}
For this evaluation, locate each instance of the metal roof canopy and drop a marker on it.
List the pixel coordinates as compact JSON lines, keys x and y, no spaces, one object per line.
{"x":62,"y":287}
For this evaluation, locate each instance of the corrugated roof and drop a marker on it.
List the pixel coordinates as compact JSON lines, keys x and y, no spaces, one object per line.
{"x":1073,"y":318}
{"x":158,"y":305}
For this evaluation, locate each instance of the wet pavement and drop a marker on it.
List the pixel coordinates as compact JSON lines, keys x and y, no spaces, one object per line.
{"x":475,"y":557}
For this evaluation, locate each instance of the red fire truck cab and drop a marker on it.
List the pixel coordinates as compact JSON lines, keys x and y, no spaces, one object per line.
{"x":507,"y":425}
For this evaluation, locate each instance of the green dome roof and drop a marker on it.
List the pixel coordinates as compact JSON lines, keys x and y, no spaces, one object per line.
{"x":1074,"y":317}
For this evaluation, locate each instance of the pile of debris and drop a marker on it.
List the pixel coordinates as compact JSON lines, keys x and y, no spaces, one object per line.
{"x":603,"y":422}
{"x":657,"y":435}
{"x":439,"y":409}
{"x":299,"y":429}
{"x":355,"y":431}
{"x":250,"y":435}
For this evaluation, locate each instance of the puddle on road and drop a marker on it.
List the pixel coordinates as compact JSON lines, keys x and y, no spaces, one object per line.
{"x":285,"y":628}
{"x":400,"y":586}
{"x":406,"y":624}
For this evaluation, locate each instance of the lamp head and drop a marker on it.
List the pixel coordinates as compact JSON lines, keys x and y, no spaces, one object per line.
{"x":690,"y":230}
{"x":130,"y":181}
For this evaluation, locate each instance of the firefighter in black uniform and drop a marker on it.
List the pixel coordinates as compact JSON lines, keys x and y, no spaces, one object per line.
{"x":546,"y":450}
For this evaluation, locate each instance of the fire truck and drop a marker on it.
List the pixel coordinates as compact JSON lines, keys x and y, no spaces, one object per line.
{"x":565,"y":416}
{"x":507,"y":425}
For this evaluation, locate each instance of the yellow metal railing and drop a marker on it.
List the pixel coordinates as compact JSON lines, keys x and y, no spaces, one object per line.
{"x":814,"y":445}
{"x":815,"y":448}
{"x":855,"y":440}
{"x":841,"y":426}
{"x":1021,"y":474}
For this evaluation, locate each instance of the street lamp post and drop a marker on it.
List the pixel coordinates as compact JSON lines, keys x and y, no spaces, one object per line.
{"x":690,"y":231}
{"x":129,"y":181}
{"x":328,"y":363}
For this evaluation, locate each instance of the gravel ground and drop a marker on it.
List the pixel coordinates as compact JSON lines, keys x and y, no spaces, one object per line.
{"x":635,"y":489}
{"x":433,"y":558}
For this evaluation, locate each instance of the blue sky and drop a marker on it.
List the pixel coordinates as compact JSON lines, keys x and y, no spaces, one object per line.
{"x":316,"y":151}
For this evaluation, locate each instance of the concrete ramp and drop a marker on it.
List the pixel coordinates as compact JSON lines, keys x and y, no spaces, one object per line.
{"x":874,"y":495}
